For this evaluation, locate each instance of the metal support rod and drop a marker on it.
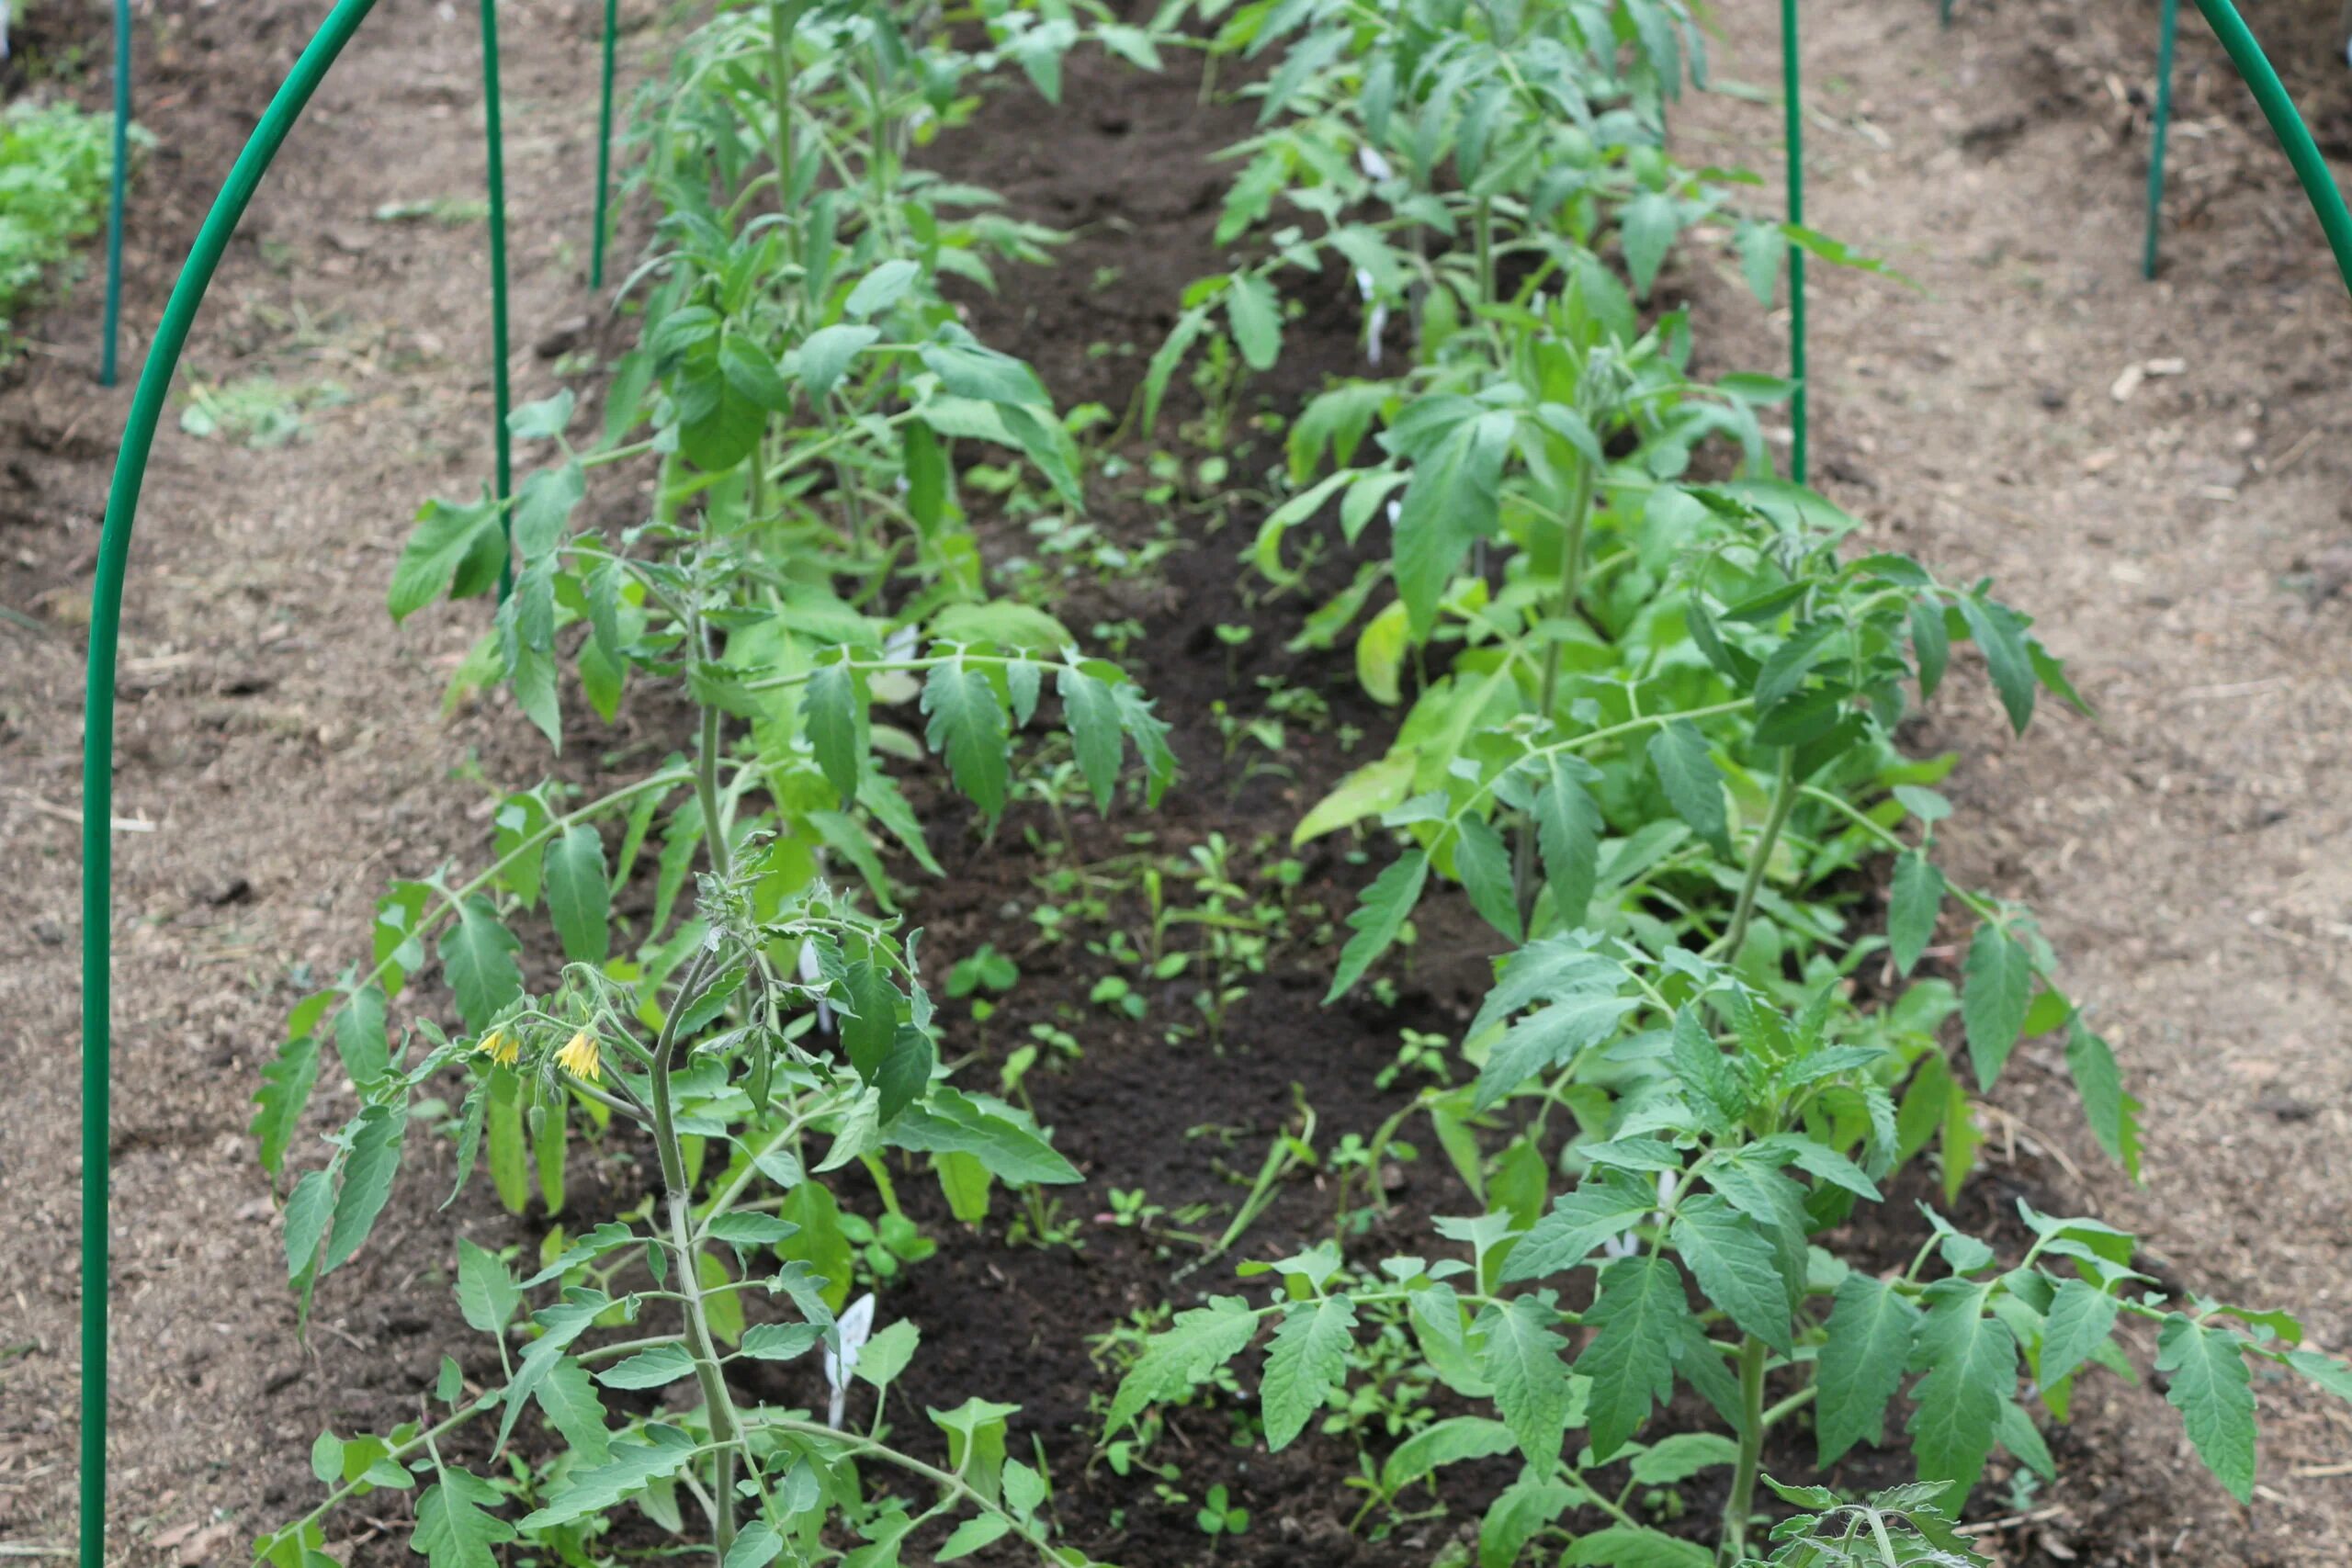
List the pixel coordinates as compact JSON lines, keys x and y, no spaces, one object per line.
{"x":1791,"y":96}
{"x":2169,"y":30}
{"x":495,"y":151}
{"x":97,"y":735}
{"x":116,"y":177}
{"x":2287,"y":125}
{"x":604,"y":148}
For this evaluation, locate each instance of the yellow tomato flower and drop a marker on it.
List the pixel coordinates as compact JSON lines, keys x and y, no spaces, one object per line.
{"x":580,"y":1057}
{"x":501,"y":1047}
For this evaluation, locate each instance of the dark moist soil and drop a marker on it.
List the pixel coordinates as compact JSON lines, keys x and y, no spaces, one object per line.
{"x":285,"y":799}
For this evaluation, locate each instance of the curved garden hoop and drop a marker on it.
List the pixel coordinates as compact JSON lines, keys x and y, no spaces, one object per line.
{"x":131,"y":467}
{"x":115,"y":178}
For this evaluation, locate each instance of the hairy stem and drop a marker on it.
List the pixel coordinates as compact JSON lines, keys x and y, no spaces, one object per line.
{"x":1548,"y":689}
{"x":726,"y":1432}
{"x":1737,"y":1507}
{"x":1784,"y":798}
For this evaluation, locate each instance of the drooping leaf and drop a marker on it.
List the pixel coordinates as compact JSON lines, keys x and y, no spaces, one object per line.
{"x":1094,"y":730}
{"x":1693,"y":784}
{"x":1996,"y":630}
{"x":1387,"y":903}
{"x":1736,"y":1266}
{"x":579,"y":891}
{"x":1970,"y":1361}
{"x":2214,"y":1394}
{"x":1568,"y":831}
{"x":967,"y":728}
{"x":478,"y":959}
{"x":367,"y":1182}
{"x":1997,"y":989}
{"x":1872,"y":1329}
{"x":1912,"y":904}
{"x":1640,"y":1317}
{"x":2076,"y":1323}
{"x":1533,"y":1390}
{"x":1308,"y":1357}
{"x":453,"y":1528}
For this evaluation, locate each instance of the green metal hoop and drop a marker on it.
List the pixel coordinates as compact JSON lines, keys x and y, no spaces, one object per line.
{"x":116,"y":175}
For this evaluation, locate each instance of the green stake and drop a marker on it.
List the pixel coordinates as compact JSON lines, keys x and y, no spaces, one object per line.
{"x":604,"y":148}
{"x":494,"y":147}
{"x":116,"y":177}
{"x":97,"y":735}
{"x":2168,"y":29}
{"x":2319,"y":185}
{"x":1791,"y":96}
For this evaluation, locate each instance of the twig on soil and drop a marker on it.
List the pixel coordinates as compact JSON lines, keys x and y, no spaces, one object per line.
{"x":2012,"y":1521}
{"x":67,"y":814}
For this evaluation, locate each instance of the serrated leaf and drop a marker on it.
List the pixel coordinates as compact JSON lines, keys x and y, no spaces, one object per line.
{"x":1092,"y":713}
{"x":307,"y":1209}
{"x":1000,"y":1137}
{"x":634,"y":1463}
{"x":1387,"y":903}
{"x":1483,"y":865}
{"x":1970,"y":1361}
{"x":832,"y":712}
{"x":1452,"y":499}
{"x":1547,"y":1039}
{"x":359,"y":1037}
{"x":579,"y":891}
{"x":478,"y":959}
{"x":979,"y":1530}
{"x":1449,"y":1441}
{"x":487,"y":1295}
{"x":756,"y":1545}
{"x":1641,"y":1317}
{"x":1996,"y":990}
{"x":1737,"y":1267}
{"x":1201,"y":1340}
{"x":1567,"y":832}
{"x":453,"y":1530}
{"x":567,"y":1398}
{"x":2076,"y":1323}
{"x":1872,"y":1331}
{"x":446,"y":533}
{"x":967,"y":728}
{"x":1913,"y":904}
{"x":367,"y":1182}
{"x":1682,"y":1456}
{"x":1631,"y":1545}
{"x":1256,"y":312}
{"x":1533,"y":1390}
{"x":1707,"y":1075}
{"x":1607,"y":1204}
{"x":1693,"y":784}
{"x":2113,"y":1115}
{"x":657,"y":1368}
{"x":286,"y":1085}
{"x":1998,"y":634}
{"x":1308,"y":1357}
{"x":2214,"y":1394}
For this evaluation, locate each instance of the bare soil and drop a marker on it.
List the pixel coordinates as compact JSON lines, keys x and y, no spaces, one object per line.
{"x":282,"y":751}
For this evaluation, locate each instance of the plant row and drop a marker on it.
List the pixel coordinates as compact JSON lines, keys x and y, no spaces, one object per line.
{"x":1648,"y":715}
